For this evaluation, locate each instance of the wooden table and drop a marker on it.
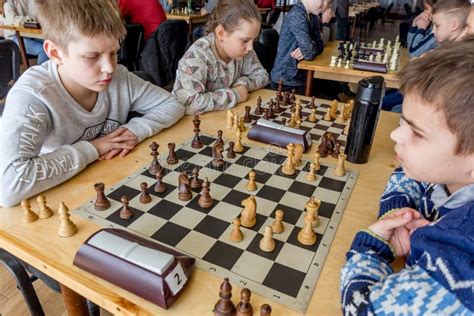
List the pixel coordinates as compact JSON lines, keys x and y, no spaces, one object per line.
{"x":39,"y":244}
{"x":191,"y":19}
{"x":20,"y":33}
{"x":319,"y":68}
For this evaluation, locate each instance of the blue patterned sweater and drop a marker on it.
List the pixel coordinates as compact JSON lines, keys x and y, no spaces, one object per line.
{"x":420,"y":41}
{"x":298,"y":30}
{"x":439,"y":274}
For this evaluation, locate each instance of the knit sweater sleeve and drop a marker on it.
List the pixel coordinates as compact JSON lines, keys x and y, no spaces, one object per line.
{"x":252,"y":75}
{"x":400,"y":192}
{"x":190,"y":86}
{"x":420,"y":41}
{"x":24,"y":170}
{"x":309,"y":47}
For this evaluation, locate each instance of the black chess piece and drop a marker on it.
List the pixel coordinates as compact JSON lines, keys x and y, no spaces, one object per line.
{"x":265,"y":310}
{"x":230,"y":151}
{"x":196,"y":144}
{"x":283,"y":121}
{"x":172,"y":159}
{"x":217,"y":150}
{"x":144,"y":196}
{"x":258,"y":108}
{"x":101,"y":203}
{"x":277,"y":109}
{"x":244,"y":308}
{"x":160,"y":186}
{"x":205,"y":200}
{"x":270,"y":111}
{"x":247,"y":118}
{"x":125,"y":212}
{"x":337,"y":148}
{"x":155,"y":164}
{"x":184,"y":190}
{"x":224,"y":306}
{"x":219,"y":138}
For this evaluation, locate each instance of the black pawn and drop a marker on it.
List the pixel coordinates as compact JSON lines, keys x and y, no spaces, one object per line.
{"x":144,"y":196}
{"x":247,"y":118}
{"x":244,"y":308}
{"x":270,"y":111}
{"x":277,"y":108}
{"x":196,"y":183}
{"x":265,"y":310}
{"x":283,"y":121}
{"x":172,"y":159}
{"x":224,"y":306}
{"x":230,"y":151}
{"x":219,"y":139}
{"x":205,"y":200}
{"x":160,"y":186}
{"x":125,"y":212}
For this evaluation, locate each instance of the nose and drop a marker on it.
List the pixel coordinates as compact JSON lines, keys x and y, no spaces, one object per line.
{"x":249,"y":47}
{"x":109,"y":63}
{"x":396,"y":134}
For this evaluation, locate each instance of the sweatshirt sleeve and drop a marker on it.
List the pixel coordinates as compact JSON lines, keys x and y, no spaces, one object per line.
{"x":420,"y":41}
{"x":24,"y":170}
{"x":253,"y":75}
{"x":190,"y":86}
{"x":309,"y":44}
{"x":160,"y":108}
{"x":400,"y":192}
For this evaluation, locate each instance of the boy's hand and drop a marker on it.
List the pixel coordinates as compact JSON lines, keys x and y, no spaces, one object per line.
{"x":395,"y":229}
{"x":243,"y":92}
{"x":297,"y":54}
{"x":327,"y":15}
{"x":119,"y":140}
{"x":423,"y":20}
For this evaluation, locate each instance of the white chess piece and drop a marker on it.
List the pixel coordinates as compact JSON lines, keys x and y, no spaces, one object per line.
{"x":333,"y":61}
{"x":339,"y":63}
{"x":347,"y":66}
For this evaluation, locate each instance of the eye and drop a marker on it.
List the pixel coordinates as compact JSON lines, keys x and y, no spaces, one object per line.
{"x":91,"y":57}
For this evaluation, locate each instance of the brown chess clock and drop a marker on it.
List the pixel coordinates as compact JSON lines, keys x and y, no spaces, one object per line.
{"x":136,"y":264}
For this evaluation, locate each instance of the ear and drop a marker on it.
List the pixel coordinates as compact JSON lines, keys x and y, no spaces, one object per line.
{"x":53,"y":51}
{"x":455,"y":25}
{"x":219,"y":32}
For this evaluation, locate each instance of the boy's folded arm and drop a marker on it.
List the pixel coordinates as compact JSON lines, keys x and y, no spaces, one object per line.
{"x":160,"y":108}
{"x":190,"y":89}
{"x":254,"y":76}
{"x":400,"y":192}
{"x":24,"y":171}
{"x":300,"y":29}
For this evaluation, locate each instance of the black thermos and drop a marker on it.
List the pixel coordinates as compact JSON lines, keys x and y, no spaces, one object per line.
{"x":364,"y":119}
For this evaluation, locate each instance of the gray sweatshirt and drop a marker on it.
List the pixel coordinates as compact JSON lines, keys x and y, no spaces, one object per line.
{"x":45,"y":133}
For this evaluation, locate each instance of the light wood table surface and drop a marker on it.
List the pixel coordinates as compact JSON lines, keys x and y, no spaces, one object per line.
{"x":39,"y":244}
{"x":20,"y":33}
{"x":319,"y":68}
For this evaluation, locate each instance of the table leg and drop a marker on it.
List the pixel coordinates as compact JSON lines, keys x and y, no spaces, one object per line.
{"x":21,"y":43}
{"x":309,"y":83}
{"x":75,"y":304}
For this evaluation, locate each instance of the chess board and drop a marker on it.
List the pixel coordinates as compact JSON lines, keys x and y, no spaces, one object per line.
{"x":287,"y":275}
{"x":316,"y":129}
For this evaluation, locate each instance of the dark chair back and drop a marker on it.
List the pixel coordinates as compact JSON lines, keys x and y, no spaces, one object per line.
{"x":273,"y":16}
{"x":9,"y":64}
{"x":131,"y":47}
{"x":408,"y":10}
{"x":163,"y":50}
{"x":266,"y":48}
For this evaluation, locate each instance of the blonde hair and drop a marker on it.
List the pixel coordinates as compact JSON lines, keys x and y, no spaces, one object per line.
{"x":63,"y":21}
{"x":228,"y":13}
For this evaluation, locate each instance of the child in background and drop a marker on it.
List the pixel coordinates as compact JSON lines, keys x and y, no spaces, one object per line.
{"x":168,"y":5}
{"x":17,"y":12}
{"x":219,"y":70}
{"x":420,"y":35}
{"x":300,"y":38}
{"x":449,"y":19}
{"x":435,"y":146}
{"x":72,"y":110}
{"x":149,"y":13}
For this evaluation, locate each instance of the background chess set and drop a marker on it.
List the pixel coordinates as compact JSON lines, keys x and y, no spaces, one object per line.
{"x":315,"y":129}
{"x":287,"y":275}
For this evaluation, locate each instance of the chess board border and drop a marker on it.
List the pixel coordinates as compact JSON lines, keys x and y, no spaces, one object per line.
{"x":301,"y":302}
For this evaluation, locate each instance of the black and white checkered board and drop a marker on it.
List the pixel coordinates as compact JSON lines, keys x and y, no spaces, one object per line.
{"x":316,"y":129}
{"x":287,"y":275}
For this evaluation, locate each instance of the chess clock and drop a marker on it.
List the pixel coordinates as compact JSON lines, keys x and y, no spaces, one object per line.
{"x":136,"y":264}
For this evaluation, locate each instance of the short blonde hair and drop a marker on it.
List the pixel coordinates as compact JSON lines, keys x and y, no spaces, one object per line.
{"x":63,"y":21}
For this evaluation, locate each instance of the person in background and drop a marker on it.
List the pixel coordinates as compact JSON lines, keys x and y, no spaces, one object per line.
{"x":420,"y":37}
{"x":341,"y":9}
{"x":449,"y":19}
{"x":168,"y":5}
{"x":219,"y":70}
{"x":199,"y":31}
{"x":17,"y":12}
{"x":148,"y":13}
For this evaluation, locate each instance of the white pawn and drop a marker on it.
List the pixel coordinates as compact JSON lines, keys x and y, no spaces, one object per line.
{"x":267,"y":243}
{"x":312,"y":117}
{"x":311,"y":176}
{"x":236,"y":235}
{"x":346,"y":128}
{"x":316,"y":157}
{"x":238,"y":147}
{"x":340,"y":170}
{"x":29,"y":216}
{"x":45,"y":211}
{"x":347,"y":66}
{"x":277,"y":225}
{"x":252,"y":185}
{"x":339,"y":63}
{"x":229,"y":119}
{"x":333,"y":61}
{"x":66,"y":227}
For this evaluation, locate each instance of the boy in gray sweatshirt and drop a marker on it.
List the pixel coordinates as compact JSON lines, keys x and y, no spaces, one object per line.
{"x":72,"y":110}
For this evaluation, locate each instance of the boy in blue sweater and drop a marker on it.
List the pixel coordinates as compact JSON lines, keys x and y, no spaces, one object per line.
{"x":435,"y":146}
{"x":420,"y":37}
{"x":300,"y":38}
